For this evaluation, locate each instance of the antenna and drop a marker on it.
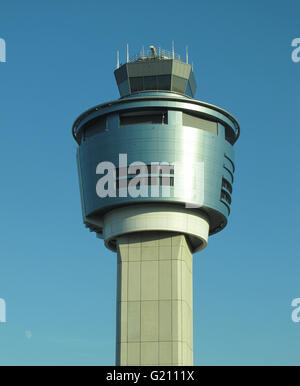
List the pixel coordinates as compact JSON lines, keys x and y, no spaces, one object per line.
{"x":153,"y":51}
{"x":187,"y":54}
{"x":118,"y":59}
{"x":127,"y":53}
{"x":192,"y":66}
{"x":173,"y":54}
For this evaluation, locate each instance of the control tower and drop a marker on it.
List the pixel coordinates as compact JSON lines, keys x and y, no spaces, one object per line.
{"x":156,"y":171}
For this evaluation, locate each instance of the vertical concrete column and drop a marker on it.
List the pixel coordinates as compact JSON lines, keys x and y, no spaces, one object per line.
{"x":154,"y":300}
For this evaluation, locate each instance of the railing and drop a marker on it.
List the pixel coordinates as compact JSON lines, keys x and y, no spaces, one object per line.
{"x":148,"y":55}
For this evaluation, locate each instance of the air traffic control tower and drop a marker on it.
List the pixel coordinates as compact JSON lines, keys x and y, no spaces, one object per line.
{"x":156,"y":172}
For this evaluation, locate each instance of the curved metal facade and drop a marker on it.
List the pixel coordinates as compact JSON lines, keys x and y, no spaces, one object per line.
{"x":191,"y":133}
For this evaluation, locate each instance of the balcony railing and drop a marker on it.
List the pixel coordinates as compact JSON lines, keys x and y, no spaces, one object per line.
{"x":147,"y":54}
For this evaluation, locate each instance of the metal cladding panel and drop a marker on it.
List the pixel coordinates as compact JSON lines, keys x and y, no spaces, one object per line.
{"x":178,"y":84}
{"x":181,"y":69}
{"x":172,"y":143}
{"x":200,"y":123}
{"x":149,"y":68}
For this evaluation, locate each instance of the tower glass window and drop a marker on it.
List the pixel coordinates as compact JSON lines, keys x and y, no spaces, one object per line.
{"x":227,"y":185}
{"x":144,"y":117}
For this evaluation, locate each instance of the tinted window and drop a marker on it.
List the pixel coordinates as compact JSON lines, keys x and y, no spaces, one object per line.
{"x":144,"y":117}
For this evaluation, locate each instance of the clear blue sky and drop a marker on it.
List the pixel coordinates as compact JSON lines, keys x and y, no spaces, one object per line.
{"x":58,"y":280}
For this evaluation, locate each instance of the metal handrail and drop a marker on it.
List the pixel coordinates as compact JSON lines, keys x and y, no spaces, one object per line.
{"x":147,"y":54}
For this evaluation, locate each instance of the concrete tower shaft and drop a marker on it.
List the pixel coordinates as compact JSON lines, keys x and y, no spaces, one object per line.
{"x":154,"y":300}
{"x":171,"y":160}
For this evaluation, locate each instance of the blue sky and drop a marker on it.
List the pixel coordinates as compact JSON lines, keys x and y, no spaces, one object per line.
{"x":58,"y":280}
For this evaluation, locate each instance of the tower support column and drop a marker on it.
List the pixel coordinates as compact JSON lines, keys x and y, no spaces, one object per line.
{"x":154,"y":300}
